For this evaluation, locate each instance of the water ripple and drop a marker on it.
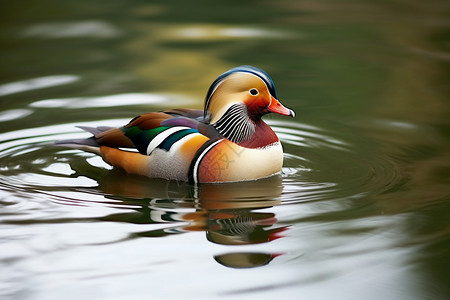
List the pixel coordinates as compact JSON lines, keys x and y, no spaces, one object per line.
{"x":36,"y":83}
{"x":319,"y":165}
{"x":112,"y":101}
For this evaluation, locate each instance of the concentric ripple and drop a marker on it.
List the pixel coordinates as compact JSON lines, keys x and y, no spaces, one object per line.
{"x":319,"y":165}
{"x":323,"y":165}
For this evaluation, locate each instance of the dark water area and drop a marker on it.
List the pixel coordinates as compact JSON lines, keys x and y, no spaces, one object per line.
{"x":361,"y":208}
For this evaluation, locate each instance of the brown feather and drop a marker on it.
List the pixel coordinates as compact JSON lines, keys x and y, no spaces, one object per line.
{"x":149,"y":120}
{"x":186,"y":112}
{"x":114,"y":138}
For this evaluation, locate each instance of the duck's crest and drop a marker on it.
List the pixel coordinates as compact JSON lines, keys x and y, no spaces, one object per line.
{"x":245,"y":69}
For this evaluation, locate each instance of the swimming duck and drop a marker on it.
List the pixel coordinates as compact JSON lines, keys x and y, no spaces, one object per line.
{"x":227,"y":141}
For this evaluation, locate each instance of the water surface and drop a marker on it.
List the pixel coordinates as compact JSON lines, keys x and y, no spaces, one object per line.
{"x":360,"y":210}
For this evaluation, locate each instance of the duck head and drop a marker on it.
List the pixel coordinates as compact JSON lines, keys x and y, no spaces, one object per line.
{"x":245,"y":85}
{"x":238,"y":99}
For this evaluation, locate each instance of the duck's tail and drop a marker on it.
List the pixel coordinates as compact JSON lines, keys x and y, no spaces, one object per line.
{"x":87,"y":144}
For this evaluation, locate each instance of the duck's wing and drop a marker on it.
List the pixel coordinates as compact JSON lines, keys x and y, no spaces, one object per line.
{"x":148,"y":131}
{"x":186,"y":112}
{"x":129,"y":136}
{"x":192,"y":118}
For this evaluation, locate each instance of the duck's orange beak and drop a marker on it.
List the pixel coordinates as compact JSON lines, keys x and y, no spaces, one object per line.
{"x":276,"y":107}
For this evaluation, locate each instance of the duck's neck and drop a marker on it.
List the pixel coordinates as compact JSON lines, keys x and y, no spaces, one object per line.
{"x":263,"y":136}
{"x":237,"y":126}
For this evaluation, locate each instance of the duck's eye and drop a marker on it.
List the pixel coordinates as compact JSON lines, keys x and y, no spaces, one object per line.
{"x":253,"y":92}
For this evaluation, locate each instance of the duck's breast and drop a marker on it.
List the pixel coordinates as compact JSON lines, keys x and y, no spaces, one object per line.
{"x":226,"y":161}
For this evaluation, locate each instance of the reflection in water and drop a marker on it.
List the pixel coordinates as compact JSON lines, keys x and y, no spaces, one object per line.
{"x":241,"y":227}
{"x":244,"y":259}
{"x":228,"y":212}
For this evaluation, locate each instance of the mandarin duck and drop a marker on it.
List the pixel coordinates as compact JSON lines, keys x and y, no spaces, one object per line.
{"x":226,"y":142}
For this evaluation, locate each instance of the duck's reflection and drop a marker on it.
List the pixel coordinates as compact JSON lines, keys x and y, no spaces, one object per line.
{"x":241,"y":260}
{"x":230,"y":213}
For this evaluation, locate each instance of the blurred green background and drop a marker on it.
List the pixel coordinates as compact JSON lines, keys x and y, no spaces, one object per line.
{"x":370,"y":76}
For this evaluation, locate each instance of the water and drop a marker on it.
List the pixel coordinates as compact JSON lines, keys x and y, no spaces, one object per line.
{"x":360,"y":210}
